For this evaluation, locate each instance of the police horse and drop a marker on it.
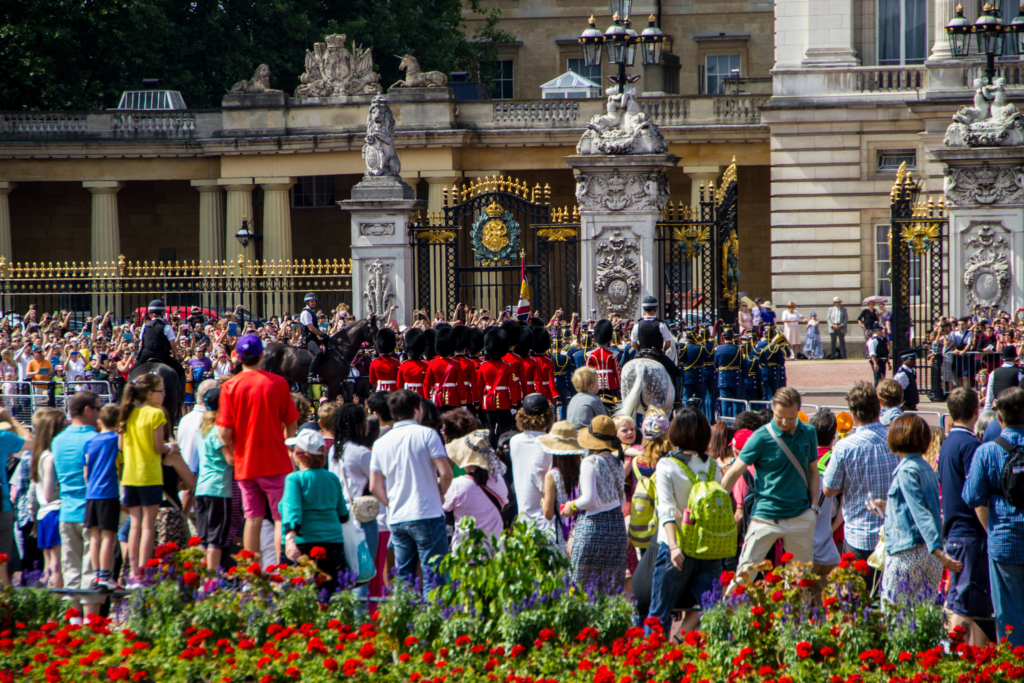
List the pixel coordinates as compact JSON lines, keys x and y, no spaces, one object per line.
{"x":645,"y":383}
{"x":292,"y":362}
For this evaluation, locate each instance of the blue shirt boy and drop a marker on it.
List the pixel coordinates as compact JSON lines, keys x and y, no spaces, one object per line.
{"x":100,"y":462}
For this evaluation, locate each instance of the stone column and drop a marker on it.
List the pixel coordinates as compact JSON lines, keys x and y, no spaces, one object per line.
{"x":211,"y":220}
{"x":699,"y":175}
{"x":986,"y":228}
{"x":239,"y":205}
{"x":383,"y":263}
{"x":106,"y":233}
{"x":5,"y":220}
{"x":277,"y":218}
{"x":791,"y":39}
{"x":621,"y":199}
{"x":830,"y":34}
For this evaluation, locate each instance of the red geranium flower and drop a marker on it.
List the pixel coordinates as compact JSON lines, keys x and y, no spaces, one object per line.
{"x":803,"y":650}
{"x":604,"y":675}
{"x":254,"y":569}
{"x":585,"y":665}
{"x":189,"y":578}
{"x":411,"y":640}
{"x":726,"y":578}
{"x":777,"y":596}
{"x":293,"y":671}
{"x":786,"y":557}
{"x":317,"y":553}
{"x":740,"y":589}
{"x":194,"y":541}
{"x":861,"y":566}
{"x":367,"y":650}
{"x":331,"y":664}
{"x":827,"y":652}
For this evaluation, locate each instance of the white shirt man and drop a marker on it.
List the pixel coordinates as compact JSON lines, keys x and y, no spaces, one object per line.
{"x":74,"y":368}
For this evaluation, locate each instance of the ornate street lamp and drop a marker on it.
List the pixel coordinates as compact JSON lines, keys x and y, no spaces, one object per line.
{"x":620,"y":41}
{"x":245,"y":235}
{"x":652,"y":40}
{"x":990,"y":32}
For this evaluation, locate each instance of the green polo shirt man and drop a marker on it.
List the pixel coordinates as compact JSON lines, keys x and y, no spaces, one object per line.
{"x":783,"y":505}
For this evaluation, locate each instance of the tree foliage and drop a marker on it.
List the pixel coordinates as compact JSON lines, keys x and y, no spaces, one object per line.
{"x":81,"y":54}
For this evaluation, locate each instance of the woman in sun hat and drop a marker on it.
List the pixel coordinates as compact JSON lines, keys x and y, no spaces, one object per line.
{"x":598,"y":549}
{"x":481,"y":493}
{"x":561,"y":482}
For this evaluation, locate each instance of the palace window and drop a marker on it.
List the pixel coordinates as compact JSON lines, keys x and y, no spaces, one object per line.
{"x":902,"y":30}
{"x":579,"y":66}
{"x":716,"y":69}
{"x":883,"y":266}
{"x":889,"y":160}
{"x":313,"y":192}
{"x":502,"y":88}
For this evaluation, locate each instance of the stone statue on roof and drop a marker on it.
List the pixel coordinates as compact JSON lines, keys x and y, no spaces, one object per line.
{"x":333,"y":71}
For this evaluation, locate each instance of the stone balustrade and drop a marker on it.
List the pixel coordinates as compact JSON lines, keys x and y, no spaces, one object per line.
{"x":176,"y":123}
{"x":864,"y":83}
{"x":40,"y":123}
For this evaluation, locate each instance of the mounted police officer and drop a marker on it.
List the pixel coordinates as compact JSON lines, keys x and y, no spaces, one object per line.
{"x":691,"y":358}
{"x":729,"y":363}
{"x":651,"y":338}
{"x":158,"y":341}
{"x":313,"y":337}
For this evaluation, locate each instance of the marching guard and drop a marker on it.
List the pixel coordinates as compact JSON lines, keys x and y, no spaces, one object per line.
{"x":384,"y":368}
{"x":729,"y":364}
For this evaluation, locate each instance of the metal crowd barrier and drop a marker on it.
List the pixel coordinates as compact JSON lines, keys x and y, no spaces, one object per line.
{"x":20,"y":400}
{"x":939,"y":420}
{"x":737,"y":406}
{"x":104,"y":388}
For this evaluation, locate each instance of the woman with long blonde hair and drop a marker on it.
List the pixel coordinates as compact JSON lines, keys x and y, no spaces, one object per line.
{"x":48,"y":423}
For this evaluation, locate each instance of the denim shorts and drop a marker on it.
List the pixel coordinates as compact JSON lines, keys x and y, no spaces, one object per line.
{"x":142,"y":496}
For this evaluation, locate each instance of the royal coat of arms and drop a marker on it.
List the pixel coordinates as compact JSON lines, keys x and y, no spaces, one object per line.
{"x":495,"y":235}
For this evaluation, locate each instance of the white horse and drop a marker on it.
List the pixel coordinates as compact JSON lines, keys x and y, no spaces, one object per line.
{"x":645,"y":383}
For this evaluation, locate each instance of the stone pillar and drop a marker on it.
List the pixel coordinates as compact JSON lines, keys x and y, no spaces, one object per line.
{"x":621,"y":199}
{"x":986,"y":227}
{"x":277,"y":218}
{"x":106,"y":233}
{"x":5,"y":220}
{"x":791,"y":34}
{"x":699,"y":175}
{"x":211,"y":220}
{"x":239,"y":205}
{"x":383,"y":264}
{"x":830,"y":34}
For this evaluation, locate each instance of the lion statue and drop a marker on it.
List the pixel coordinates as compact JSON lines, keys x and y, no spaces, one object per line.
{"x":260,"y":83}
{"x":379,"y":150}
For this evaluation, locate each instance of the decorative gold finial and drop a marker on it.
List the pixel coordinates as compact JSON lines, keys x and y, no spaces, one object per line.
{"x":652,"y":18}
{"x":616,"y":17}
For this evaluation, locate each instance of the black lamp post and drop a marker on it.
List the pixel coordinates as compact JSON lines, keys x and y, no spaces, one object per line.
{"x":245,"y":235}
{"x":620,"y":41}
{"x":990,"y":33}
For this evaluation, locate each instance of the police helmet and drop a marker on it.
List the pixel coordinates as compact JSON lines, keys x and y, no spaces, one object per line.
{"x":310,"y":296}
{"x":156,"y":306}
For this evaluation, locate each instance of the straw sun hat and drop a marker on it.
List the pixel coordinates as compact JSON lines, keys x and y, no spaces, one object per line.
{"x":561,"y":440}
{"x":471,"y":450}
{"x":601,"y":435}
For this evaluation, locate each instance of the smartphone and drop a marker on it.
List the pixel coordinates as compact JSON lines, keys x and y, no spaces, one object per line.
{"x":233,"y":329}
{"x":127,"y":336}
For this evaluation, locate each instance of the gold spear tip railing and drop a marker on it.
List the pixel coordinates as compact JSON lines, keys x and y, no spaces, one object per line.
{"x":496,"y":183}
{"x":144,"y":269}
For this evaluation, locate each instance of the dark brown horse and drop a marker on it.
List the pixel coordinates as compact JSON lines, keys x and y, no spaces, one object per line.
{"x":292,"y":362}
{"x":173,"y":394}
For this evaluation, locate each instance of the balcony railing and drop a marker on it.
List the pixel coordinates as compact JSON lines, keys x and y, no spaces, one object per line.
{"x":872,"y":83}
{"x":172,"y":123}
{"x":548,"y":112}
{"x":42,"y":124}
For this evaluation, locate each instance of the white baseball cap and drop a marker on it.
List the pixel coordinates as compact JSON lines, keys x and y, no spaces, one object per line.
{"x":307,"y":440}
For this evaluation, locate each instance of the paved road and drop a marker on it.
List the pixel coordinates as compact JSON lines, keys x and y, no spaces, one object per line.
{"x":825,"y":383}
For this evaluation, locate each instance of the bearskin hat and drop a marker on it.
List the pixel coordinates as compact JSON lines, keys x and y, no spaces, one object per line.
{"x":414,"y":343}
{"x":525,"y":344}
{"x":603,"y":332}
{"x":385,"y":341}
{"x":476,"y":341}
{"x":513,"y":329}
{"x":428,"y":344}
{"x":462,"y":335}
{"x":444,"y":341}
{"x":496,"y":343}
{"x":541,"y":341}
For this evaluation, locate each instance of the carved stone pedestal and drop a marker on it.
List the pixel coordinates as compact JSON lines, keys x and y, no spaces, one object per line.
{"x":621,"y":199}
{"x":984,"y":189}
{"x":383,"y":268}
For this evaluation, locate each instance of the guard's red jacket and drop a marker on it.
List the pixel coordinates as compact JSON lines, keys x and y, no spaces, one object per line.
{"x":495,"y":382}
{"x":468,"y":379}
{"x":603,"y":360}
{"x":411,"y":375}
{"x":443,"y":381}
{"x":517,"y":387}
{"x":544,"y":377}
{"x":384,"y":373}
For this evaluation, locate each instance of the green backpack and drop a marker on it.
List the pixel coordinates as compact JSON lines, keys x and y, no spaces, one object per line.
{"x":643,"y":510}
{"x":711,"y":531}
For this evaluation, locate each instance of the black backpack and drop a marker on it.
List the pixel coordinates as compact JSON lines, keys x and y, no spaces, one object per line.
{"x":1011,"y":479}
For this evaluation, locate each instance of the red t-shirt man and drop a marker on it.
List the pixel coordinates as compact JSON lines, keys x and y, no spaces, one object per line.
{"x":255,"y":412}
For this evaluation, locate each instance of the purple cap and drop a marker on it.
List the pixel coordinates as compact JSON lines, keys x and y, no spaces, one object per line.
{"x":249,"y":346}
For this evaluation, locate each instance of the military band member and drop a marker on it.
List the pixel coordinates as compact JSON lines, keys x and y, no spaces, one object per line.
{"x":692,"y":361}
{"x":543,"y":366}
{"x":773,"y":362}
{"x":496,"y":381}
{"x":729,"y":364}
{"x":384,"y":368}
{"x":413,"y":371}
{"x":564,"y":366}
{"x":443,"y":380}
{"x":603,"y":361}
{"x":710,"y":374}
{"x":517,"y":389}
{"x":468,"y":371}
